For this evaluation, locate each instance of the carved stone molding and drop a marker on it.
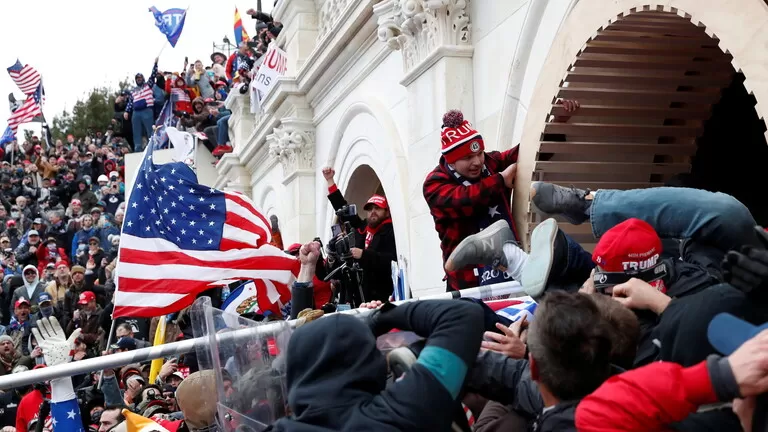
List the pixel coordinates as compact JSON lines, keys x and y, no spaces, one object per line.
{"x":293,"y":145}
{"x":419,"y":27}
{"x":328,"y":13}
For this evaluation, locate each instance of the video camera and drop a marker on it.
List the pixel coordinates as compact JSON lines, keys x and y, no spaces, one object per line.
{"x":341,"y":244}
{"x":340,"y":248}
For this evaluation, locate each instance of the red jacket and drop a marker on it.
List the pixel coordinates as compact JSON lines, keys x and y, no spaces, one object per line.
{"x":646,"y":399}
{"x":28,"y":410}
{"x":180,"y":94}
{"x":44,"y":256}
{"x":322,"y":291}
{"x":454,"y":207}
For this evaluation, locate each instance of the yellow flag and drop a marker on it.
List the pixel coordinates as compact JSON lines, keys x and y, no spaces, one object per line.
{"x":154,"y":371}
{"x":137,"y":423}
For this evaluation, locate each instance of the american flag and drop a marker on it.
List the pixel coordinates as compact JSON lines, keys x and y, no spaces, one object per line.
{"x":180,"y":236}
{"x":31,"y":108}
{"x":25,"y":77}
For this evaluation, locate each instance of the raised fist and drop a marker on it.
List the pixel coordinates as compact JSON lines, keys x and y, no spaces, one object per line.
{"x":328,"y":173}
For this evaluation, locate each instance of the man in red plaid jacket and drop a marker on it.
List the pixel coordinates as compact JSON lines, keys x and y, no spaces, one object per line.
{"x":468,"y":191}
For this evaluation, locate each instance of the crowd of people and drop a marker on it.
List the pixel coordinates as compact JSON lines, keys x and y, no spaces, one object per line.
{"x":195,"y":96}
{"x":661,"y":327}
{"x":62,"y":209}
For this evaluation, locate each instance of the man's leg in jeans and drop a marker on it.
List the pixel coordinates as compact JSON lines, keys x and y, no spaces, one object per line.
{"x":147,"y":122}
{"x":136,"y":127}
{"x":222,"y":132}
{"x":211,"y":133}
{"x":710,"y":217}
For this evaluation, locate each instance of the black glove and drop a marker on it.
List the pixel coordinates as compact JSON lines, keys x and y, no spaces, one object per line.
{"x":747,"y":268}
{"x":377,"y":321}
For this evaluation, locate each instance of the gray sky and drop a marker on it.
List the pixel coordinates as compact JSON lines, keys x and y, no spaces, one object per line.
{"x":79,"y":44}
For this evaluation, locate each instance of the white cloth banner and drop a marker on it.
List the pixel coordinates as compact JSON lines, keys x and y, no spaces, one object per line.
{"x":183,"y":144}
{"x":273,"y":66}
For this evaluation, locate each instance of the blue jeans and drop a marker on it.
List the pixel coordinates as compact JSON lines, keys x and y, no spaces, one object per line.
{"x":712,"y":218}
{"x":142,"y":121}
{"x":222,"y":130}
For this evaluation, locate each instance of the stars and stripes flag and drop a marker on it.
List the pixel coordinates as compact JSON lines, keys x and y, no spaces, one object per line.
{"x":180,"y":236}
{"x":26,"y":77}
{"x":31,"y":108}
{"x":514,"y":309}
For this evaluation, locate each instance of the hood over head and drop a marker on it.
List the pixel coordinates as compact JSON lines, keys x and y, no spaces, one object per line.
{"x":37,"y":277}
{"x":346,"y":371}
{"x":198,"y":101}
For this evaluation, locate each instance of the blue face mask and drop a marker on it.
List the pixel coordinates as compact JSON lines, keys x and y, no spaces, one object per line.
{"x":47,"y":311}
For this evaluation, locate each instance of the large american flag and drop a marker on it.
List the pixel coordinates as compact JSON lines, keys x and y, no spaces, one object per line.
{"x":26,"y":77}
{"x":31,"y":108}
{"x":180,"y":236}
{"x":30,"y":83}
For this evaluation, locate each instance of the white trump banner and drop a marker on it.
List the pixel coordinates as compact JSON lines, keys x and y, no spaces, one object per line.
{"x":273,"y":66}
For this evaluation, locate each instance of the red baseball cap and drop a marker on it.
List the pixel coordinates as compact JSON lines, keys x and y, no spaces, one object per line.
{"x":294,"y":249}
{"x":378,"y":201}
{"x":21,"y":301}
{"x":632,"y":245}
{"x":86,"y":297}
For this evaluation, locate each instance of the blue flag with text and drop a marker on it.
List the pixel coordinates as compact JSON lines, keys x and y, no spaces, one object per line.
{"x":170,"y":22}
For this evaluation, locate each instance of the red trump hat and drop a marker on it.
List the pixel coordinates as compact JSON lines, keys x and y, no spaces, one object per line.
{"x":630,"y":246}
{"x":378,"y":201}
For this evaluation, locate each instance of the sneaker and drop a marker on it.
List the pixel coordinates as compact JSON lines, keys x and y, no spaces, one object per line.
{"x":552,"y":199}
{"x":539,"y":264}
{"x":227,"y":149}
{"x":218,"y":151}
{"x":485,"y":247}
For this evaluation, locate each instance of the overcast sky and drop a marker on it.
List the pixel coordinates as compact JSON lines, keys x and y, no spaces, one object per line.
{"x":79,"y":44}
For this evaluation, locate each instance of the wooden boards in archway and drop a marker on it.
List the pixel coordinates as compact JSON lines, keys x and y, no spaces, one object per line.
{"x":646,"y":84}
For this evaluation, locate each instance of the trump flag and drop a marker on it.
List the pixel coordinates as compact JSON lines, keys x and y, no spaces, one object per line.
{"x":170,"y":23}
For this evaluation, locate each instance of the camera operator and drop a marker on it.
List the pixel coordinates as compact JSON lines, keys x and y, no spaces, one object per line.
{"x":374,"y":247}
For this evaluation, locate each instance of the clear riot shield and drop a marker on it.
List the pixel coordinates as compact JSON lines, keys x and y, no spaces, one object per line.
{"x":248,"y":358}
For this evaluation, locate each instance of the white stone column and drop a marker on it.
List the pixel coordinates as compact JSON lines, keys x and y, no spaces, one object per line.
{"x":242,"y":122}
{"x":299,"y":34}
{"x":293,"y":144}
{"x":434,"y":39}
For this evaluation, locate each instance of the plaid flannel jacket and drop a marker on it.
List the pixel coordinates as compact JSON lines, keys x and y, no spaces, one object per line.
{"x":456,"y":208}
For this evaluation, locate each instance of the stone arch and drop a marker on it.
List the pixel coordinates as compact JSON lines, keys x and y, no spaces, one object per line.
{"x":735,"y":30}
{"x":367,"y":135}
{"x":268,"y":202}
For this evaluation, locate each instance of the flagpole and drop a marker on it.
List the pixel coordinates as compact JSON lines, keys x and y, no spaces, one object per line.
{"x":113,"y":361}
{"x":163,"y":48}
{"x":109,"y":342}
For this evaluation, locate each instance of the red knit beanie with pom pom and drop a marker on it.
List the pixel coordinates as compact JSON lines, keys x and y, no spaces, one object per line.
{"x":459,"y":138}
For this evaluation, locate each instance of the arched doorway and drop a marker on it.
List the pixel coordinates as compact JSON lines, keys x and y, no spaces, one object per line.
{"x":362,"y":184}
{"x":659,"y":105}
